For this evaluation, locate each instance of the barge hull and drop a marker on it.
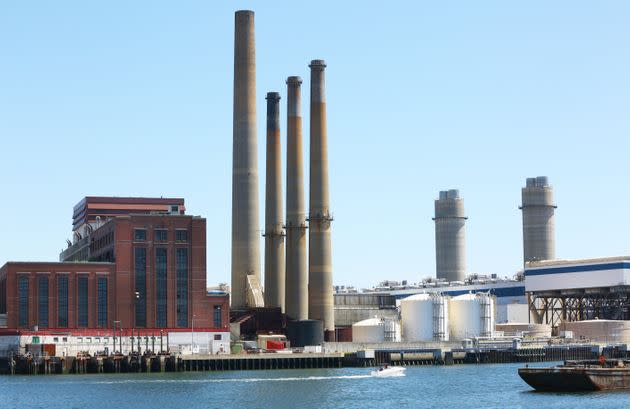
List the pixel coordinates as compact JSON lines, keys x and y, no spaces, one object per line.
{"x":576,"y":379}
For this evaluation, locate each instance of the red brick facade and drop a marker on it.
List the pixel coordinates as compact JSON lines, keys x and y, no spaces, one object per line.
{"x":112,"y":256}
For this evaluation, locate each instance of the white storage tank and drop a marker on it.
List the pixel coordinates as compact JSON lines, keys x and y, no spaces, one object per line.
{"x":471,"y":315}
{"x":417,"y":317}
{"x":524,"y":329}
{"x":370,"y":330}
{"x":425,"y":317}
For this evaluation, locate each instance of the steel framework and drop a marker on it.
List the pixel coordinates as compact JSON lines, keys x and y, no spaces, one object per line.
{"x":554,"y":307}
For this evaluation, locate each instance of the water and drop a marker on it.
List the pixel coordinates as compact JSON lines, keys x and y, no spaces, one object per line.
{"x":459,"y":386}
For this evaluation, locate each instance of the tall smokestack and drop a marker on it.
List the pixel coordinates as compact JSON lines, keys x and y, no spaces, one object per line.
{"x":245,"y":235}
{"x":450,"y":236}
{"x":539,"y":227}
{"x":320,"y":285}
{"x":297,"y":272}
{"x":274,"y":231}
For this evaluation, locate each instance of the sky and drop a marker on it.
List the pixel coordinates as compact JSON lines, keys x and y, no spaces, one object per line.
{"x":135,"y":99}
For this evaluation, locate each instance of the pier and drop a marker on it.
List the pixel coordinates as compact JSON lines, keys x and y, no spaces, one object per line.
{"x":26,"y":365}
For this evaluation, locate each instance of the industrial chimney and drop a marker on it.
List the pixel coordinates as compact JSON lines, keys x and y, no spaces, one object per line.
{"x":245,"y":227}
{"x":320,"y":286}
{"x":450,"y":236}
{"x":274,"y":231}
{"x":539,"y":228}
{"x":296,"y":264}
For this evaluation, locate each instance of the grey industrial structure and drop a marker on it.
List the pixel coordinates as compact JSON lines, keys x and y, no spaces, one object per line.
{"x":274,"y":226}
{"x":302,"y":287}
{"x":245,"y":224}
{"x":539,"y":228}
{"x":320,"y":286}
{"x":296,"y":261}
{"x":450,"y":236}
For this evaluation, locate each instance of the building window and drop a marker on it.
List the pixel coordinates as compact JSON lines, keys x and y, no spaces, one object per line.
{"x":140,"y":268}
{"x":23,"y":301}
{"x":82,"y":301}
{"x":102,"y":302}
{"x":217,"y":337}
{"x":160,"y":287}
{"x":42,"y":310}
{"x":3,"y":295}
{"x":182,"y":287}
{"x":161,"y":235}
{"x":139,"y":234}
{"x":217,"y":316}
{"x":62,"y":301}
{"x":181,"y":235}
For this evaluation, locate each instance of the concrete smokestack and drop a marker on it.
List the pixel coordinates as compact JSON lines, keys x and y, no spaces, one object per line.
{"x":274,"y":231}
{"x":297,"y":270}
{"x":539,"y":227}
{"x":450,"y":236}
{"x":320,"y":286}
{"x":245,"y":225}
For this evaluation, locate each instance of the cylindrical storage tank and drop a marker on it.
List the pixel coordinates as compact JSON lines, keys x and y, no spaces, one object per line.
{"x":608,"y":331}
{"x":305,"y":332}
{"x":471,"y":315}
{"x":417,"y":317}
{"x":525,"y":329}
{"x":370,"y":330}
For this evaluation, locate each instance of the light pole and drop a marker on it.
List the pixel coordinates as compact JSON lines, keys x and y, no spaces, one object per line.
{"x":192,"y":336}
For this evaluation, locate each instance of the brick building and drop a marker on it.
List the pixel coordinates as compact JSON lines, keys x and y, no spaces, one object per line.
{"x":142,"y":271}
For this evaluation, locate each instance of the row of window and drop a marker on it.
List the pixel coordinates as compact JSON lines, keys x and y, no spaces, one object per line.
{"x":62,"y":301}
{"x":140,"y":281}
{"x":160,"y":235}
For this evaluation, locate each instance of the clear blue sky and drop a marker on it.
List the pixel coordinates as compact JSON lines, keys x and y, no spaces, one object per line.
{"x":135,"y":98}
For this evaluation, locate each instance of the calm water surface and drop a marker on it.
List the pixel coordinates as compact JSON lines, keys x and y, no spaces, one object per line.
{"x":460,"y":386}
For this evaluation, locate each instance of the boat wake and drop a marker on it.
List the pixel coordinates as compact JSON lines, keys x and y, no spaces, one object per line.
{"x":234,"y":380}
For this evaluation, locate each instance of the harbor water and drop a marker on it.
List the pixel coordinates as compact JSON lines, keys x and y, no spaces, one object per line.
{"x":458,"y":386}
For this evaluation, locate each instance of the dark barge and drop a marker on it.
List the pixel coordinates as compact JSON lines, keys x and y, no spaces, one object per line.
{"x":572,"y":376}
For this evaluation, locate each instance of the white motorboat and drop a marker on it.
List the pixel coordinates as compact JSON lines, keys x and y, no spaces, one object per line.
{"x":387,"y":370}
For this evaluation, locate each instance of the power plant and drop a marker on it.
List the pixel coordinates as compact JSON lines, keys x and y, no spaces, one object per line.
{"x":245,"y":227}
{"x":320,"y":285}
{"x":539,"y":227}
{"x":296,"y":264}
{"x":274,"y":231}
{"x":129,"y":292}
{"x":450,"y":236}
